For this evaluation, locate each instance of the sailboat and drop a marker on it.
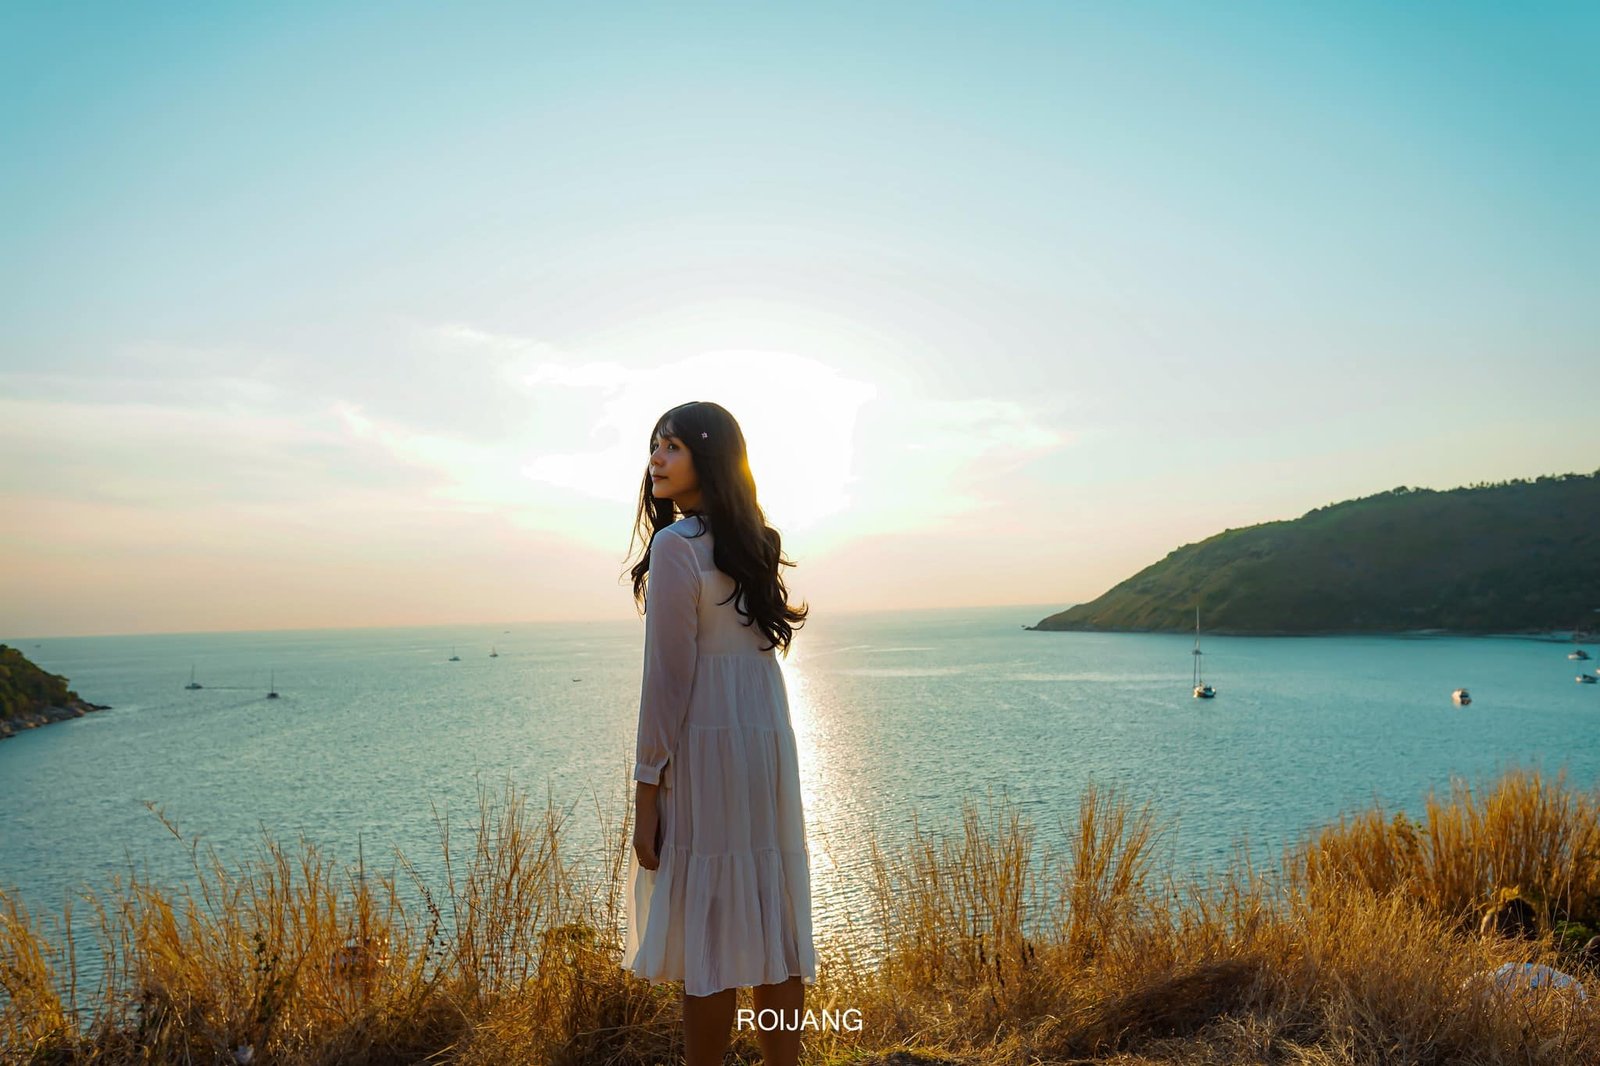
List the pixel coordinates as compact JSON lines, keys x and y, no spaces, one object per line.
{"x":453,"y":656}
{"x":272,"y":687}
{"x":492,"y":653}
{"x":192,"y":682}
{"x":1202,"y":691}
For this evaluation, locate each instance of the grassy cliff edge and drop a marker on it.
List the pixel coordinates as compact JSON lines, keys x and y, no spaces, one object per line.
{"x":987,"y":948}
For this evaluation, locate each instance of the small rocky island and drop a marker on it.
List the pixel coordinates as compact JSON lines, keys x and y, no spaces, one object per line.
{"x":31,"y":697}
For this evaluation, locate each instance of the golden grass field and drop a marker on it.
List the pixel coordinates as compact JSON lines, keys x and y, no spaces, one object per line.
{"x":1361,"y":948}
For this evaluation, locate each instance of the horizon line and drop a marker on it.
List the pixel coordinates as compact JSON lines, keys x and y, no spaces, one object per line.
{"x":16,"y":641}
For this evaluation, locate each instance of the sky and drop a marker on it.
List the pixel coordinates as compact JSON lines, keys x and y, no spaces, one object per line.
{"x":336,"y":314}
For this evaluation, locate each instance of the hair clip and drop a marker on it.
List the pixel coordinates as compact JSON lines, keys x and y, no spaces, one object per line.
{"x":704,"y":434}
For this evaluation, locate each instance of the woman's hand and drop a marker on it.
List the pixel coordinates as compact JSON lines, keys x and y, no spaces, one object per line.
{"x":646,"y":827}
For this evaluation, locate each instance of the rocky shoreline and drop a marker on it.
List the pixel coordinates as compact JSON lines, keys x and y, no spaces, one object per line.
{"x":10,"y":727}
{"x":31,"y":697}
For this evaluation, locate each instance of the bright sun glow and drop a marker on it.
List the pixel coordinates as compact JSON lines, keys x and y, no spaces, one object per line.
{"x":799,"y":422}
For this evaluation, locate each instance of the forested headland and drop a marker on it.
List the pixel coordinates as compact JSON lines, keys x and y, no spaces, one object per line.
{"x":31,"y":696}
{"x":1510,"y":557}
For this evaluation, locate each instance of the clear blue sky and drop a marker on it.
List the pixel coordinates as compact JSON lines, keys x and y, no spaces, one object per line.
{"x":373,"y":305}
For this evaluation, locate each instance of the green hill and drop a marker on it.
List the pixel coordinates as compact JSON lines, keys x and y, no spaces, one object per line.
{"x":31,"y":697}
{"x":1520,"y":556}
{"x":25,"y":688}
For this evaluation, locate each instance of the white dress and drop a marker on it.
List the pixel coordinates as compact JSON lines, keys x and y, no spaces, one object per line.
{"x":730,"y":904}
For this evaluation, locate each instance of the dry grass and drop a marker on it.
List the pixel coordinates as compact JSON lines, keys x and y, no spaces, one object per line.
{"x":1527,"y":835}
{"x":991,"y":950}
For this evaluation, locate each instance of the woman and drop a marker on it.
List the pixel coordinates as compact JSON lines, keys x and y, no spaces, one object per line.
{"x":720,"y":897}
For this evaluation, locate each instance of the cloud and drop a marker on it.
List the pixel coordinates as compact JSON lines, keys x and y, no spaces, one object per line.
{"x":986,"y":426}
{"x":607,"y":376}
{"x":210,"y":391}
{"x":828,"y":449}
{"x":833,"y":453}
{"x":531,"y":364}
{"x":337,"y":489}
{"x":135,"y":452}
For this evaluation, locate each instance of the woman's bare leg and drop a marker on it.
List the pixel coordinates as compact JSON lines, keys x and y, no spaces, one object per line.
{"x":707,"y":1027}
{"x":780,"y":1046}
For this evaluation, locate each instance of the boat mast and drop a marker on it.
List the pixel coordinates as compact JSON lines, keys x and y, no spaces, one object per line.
{"x":1197,"y":644}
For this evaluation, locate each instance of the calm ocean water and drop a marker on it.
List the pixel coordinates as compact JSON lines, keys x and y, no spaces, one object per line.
{"x":896,"y":713}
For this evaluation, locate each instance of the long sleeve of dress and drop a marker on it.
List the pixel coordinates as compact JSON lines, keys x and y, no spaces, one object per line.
{"x":671,"y":618}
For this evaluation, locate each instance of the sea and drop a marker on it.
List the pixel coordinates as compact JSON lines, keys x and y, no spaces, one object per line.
{"x":380,"y":743}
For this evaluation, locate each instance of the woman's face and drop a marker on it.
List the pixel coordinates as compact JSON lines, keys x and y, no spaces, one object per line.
{"x":672,"y":475}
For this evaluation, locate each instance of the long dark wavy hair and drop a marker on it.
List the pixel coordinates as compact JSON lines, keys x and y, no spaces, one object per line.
{"x":742,"y":544}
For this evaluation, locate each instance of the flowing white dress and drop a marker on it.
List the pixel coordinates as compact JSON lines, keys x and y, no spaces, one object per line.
{"x":730,"y":904}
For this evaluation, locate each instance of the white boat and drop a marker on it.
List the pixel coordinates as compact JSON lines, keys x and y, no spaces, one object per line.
{"x":1202,"y":691}
{"x":272,"y":687}
{"x":454,"y":657}
{"x":492,"y":653}
{"x":192,"y":682}
{"x":1461,"y":697}
{"x":1578,"y":655}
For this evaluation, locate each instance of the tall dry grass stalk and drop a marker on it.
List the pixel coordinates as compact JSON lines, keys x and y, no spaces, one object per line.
{"x":988,"y":948}
{"x":1525,"y":834}
{"x":290,"y":961}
